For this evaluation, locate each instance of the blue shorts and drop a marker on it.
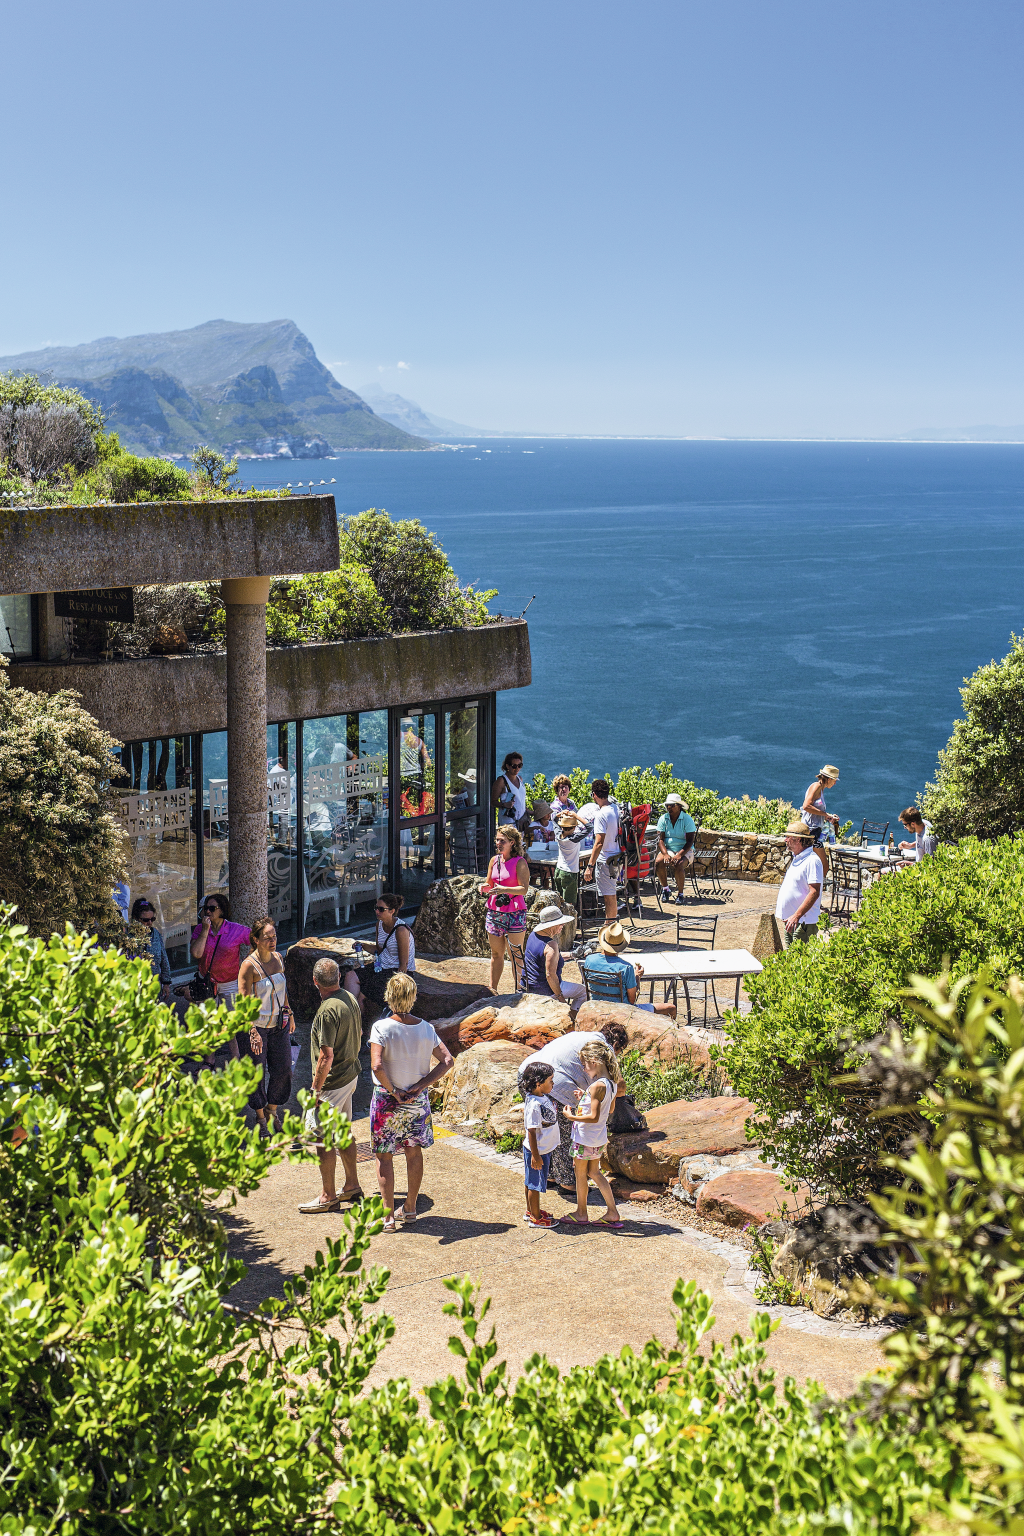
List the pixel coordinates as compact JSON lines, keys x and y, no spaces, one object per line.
{"x":536,"y":1178}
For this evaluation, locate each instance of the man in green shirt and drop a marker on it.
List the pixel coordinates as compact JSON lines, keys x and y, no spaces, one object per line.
{"x":334,"y":1048}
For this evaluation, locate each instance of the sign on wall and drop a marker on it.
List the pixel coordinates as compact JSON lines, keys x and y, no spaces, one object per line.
{"x":115,"y":604}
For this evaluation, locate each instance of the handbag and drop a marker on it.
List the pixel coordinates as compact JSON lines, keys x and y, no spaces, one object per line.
{"x":625,"y":1117}
{"x":200,"y":989}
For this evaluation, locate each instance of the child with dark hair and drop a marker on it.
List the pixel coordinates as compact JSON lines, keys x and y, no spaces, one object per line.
{"x":540,"y":1119}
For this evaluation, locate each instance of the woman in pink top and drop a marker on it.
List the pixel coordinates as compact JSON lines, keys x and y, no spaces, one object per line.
{"x":509,"y":874}
{"x":217,"y":943}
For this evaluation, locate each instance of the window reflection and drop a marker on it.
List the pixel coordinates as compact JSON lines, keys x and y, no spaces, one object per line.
{"x":344,"y":818}
{"x":416,"y":763}
{"x":156,"y":808}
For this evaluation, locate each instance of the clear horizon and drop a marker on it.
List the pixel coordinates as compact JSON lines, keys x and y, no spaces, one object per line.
{"x":687,"y":222}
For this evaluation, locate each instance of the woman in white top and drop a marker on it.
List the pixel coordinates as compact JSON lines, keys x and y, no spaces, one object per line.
{"x":394,"y":951}
{"x":261,"y":975}
{"x":402,"y":1048}
{"x":508,"y":795}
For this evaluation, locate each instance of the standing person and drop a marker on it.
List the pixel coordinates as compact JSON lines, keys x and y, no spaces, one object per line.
{"x":394,"y":951}
{"x":262,"y":975}
{"x":567,"y":865}
{"x":925,"y":842}
{"x":143,"y":911}
{"x":590,"y":1131}
{"x":543,"y":961}
{"x":540,"y":1121}
{"x":506,"y":885}
{"x":823,"y":825}
{"x":606,"y":846}
{"x":562,"y":1055}
{"x":560,"y":787}
{"x":677,"y":832}
{"x":401,"y":1050}
{"x":217,"y":945}
{"x":508,"y":793}
{"x":334,"y":1044}
{"x":799,"y":900}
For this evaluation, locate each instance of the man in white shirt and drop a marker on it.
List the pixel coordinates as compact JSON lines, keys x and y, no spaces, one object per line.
{"x":799,"y":901}
{"x":606,"y":846}
{"x":925,"y":842}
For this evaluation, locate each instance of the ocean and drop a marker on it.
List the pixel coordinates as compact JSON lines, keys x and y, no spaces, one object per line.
{"x":743,"y":610}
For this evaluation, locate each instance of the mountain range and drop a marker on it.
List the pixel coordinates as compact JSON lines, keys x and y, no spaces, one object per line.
{"x":240,"y":388}
{"x":412,"y":418}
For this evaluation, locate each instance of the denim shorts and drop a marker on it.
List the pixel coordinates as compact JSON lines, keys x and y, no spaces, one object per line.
{"x":536,"y":1178}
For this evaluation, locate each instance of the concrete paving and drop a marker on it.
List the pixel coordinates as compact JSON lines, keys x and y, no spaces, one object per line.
{"x":571,"y":1294}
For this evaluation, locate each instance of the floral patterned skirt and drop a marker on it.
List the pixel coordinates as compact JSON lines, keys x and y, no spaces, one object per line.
{"x":394,"y":1126}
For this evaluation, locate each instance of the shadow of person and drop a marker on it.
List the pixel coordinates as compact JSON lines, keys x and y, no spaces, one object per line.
{"x":457,"y":1229}
{"x":265,"y":1276}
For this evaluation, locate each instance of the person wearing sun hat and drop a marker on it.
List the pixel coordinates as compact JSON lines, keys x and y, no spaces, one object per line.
{"x":611,"y":943}
{"x":822,"y":823}
{"x":567,"y":865}
{"x":677,"y":832}
{"x":543,"y":961}
{"x":799,"y":900}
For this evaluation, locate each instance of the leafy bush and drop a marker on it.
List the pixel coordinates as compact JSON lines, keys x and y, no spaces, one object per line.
{"x":325,"y":605}
{"x":128,"y":478}
{"x":979,"y":786}
{"x":652,"y":1083}
{"x":411,"y":573}
{"x":45,"y":428}
{"x":642,"y":786}
{"x":812,"y":1006}
{"x":61,"y":852}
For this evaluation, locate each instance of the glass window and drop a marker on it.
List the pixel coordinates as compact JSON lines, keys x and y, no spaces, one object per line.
{"x":416,"y":753}
{"x":216,"y":841}
{"x":16,"y":626}
{"x":282,"y":860}
{"x":463,"y":854}
{"x":156,"y":806}
{"x":344,"y":818}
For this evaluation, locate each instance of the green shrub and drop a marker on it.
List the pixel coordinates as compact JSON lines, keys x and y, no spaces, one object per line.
{"x":411,"y":574}
{"x":129,"y":478}
{"x":61,"y":851}
{"x":643,"y":786}
{"x":979,"y":786}
{"x":653,"y":1083}
{"x":812,"y":1006}
{"x":326,"y":605}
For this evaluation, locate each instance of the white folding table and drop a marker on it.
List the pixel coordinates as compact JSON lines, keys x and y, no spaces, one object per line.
{"x":673,"y":966}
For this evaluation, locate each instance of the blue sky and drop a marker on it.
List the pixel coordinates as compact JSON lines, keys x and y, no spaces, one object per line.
{"x":724,"y":218}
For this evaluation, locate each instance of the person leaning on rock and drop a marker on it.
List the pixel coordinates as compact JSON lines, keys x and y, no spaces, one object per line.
{"x":799,"y":901}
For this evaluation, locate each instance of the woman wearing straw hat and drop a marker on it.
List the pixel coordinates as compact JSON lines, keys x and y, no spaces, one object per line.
{"x":543,"y":961}
{"x":822,"y":824}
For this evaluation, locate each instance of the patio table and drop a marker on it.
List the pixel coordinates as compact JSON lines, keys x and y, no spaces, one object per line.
{"x":672,"y":966}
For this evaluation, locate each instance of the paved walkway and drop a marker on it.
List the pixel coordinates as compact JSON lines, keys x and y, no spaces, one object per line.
{"x":571,"y":1294}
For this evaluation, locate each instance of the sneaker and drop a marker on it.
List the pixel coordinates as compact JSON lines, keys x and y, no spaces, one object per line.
{"x":666,"y":894}
{"x":680,"y":898}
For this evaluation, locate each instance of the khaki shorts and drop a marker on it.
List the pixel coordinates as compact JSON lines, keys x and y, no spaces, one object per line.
{"x":337,"y":1098}
{"x":606,"y":882}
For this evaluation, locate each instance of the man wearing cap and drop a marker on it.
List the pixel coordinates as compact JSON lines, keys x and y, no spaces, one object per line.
{"x":543,"y":961}
{"x":799,"y":899}
{"x":611,"y":943}
{"x":677,"y":831}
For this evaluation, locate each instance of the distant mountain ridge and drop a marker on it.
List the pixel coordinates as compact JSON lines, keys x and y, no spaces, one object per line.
{"x":242,"y":388}
{"x":412,"y":418}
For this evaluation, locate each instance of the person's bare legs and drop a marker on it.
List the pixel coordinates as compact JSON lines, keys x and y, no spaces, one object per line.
{"x":328,"y":1159}
{"x":351,"y":984}
{"x":611,"y":909}
{"x":348,"y":1162}
{"x":580,"y":1166}
{"x":517,"y":948}
{"x":497,"y":943}
{"x":823,"y":860}
{"x":414,"y":1177}
{"x":604,"y":1188}
{"x":386,"y":1182}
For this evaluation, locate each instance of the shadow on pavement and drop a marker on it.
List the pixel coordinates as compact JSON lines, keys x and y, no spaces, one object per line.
{"x":457,"y":1229}
{"x":266,"y":1277}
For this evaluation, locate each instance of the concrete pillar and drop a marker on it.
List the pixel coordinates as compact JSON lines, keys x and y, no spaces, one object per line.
{"x":245,"y":598}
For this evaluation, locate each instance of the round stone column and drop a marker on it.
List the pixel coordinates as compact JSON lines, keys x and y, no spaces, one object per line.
{"x":245,"y":598}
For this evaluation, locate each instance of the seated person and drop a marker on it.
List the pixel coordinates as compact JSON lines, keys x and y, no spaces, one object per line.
{"x":925,"y":842}
{"x":677,"y":832}
{"x":611,"y":943}
{"x":543,"y":961}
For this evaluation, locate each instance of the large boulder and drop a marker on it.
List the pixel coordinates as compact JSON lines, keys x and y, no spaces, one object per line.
{"x":825,"y":1254}
{"x":526,"y":1018}
{"x":679,"y":1130}
{"x":451,"y":917}
{"x":744,"y":1196}
{"x":652,"y":1034}
{"x":480,"y":1090}
{"x":436,"y":997}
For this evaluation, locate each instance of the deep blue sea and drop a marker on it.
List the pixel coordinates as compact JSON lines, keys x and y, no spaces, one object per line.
{"x":745,"y":611}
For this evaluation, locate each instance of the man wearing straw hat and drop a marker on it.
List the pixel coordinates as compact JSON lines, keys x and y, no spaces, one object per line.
{"x":612,"y":942}
{"x":799,"y":900}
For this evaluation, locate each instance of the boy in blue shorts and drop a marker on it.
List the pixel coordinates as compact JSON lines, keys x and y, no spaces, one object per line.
{"x":540,"y":1120}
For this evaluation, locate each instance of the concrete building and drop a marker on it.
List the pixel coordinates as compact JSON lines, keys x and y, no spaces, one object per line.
{"x":303,"y":780}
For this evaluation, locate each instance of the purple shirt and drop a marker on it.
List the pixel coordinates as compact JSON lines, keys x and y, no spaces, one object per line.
{"x":227,"y":961}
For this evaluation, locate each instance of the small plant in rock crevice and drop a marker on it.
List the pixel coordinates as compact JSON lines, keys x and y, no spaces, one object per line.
{"x":654,"y":1083}
{"x":773,"y":1290}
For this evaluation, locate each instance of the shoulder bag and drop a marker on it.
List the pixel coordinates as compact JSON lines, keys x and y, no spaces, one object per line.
{"x":201,"y":988}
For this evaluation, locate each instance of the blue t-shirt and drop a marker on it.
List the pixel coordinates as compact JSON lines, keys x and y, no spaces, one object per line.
{"x":601,"y":962}
{"x":675,"y":836}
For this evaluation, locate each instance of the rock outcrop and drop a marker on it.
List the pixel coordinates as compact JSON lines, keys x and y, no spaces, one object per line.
{"x":480,"y":1091}
{"x":524,"y":1018}
{"x":451,"y":917}
{"x":826,"y":1253}
{"x":436,"y":998}
{"x":744,"y":1195}
{"x":653,"y":1035}
{"x":679,"y":1130}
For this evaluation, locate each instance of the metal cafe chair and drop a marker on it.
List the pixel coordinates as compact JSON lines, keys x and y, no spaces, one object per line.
{"x":873,"y":831}
{"x":696,"y":933}
{"x":705,"y":866}
{"x":607,"y":986}
{"x":847,"y":873}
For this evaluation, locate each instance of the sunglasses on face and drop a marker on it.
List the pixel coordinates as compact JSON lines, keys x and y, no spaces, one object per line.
{"x":147,"y":917}
{"x":211,"y":911}
{"x":381,"y":908}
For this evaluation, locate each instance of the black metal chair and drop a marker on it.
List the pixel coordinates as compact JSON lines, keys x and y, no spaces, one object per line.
{"x":697,"y":933}
{"x":847,"y":872}
{"x":706,"y":866}
{"x":870,"y":830}
{"x":607,"y":986}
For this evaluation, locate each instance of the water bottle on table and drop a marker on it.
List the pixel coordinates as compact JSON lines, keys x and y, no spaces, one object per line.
{"x":357,"y":956}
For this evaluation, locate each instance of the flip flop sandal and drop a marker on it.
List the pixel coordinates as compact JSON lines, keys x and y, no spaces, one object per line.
{"x":531,"y":1221}
{"x":577,"y":1221}
{"x":606,"y":1221}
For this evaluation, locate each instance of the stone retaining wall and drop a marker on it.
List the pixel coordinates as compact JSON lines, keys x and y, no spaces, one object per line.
{"x":747,"y":855}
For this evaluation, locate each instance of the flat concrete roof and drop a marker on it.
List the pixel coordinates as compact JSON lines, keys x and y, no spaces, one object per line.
{"x":68,"y":549}
{"x":174,"y":695}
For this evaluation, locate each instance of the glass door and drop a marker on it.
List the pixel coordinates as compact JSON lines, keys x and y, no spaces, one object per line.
{"x":465,"y":830}
{"x":420,"y":838}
